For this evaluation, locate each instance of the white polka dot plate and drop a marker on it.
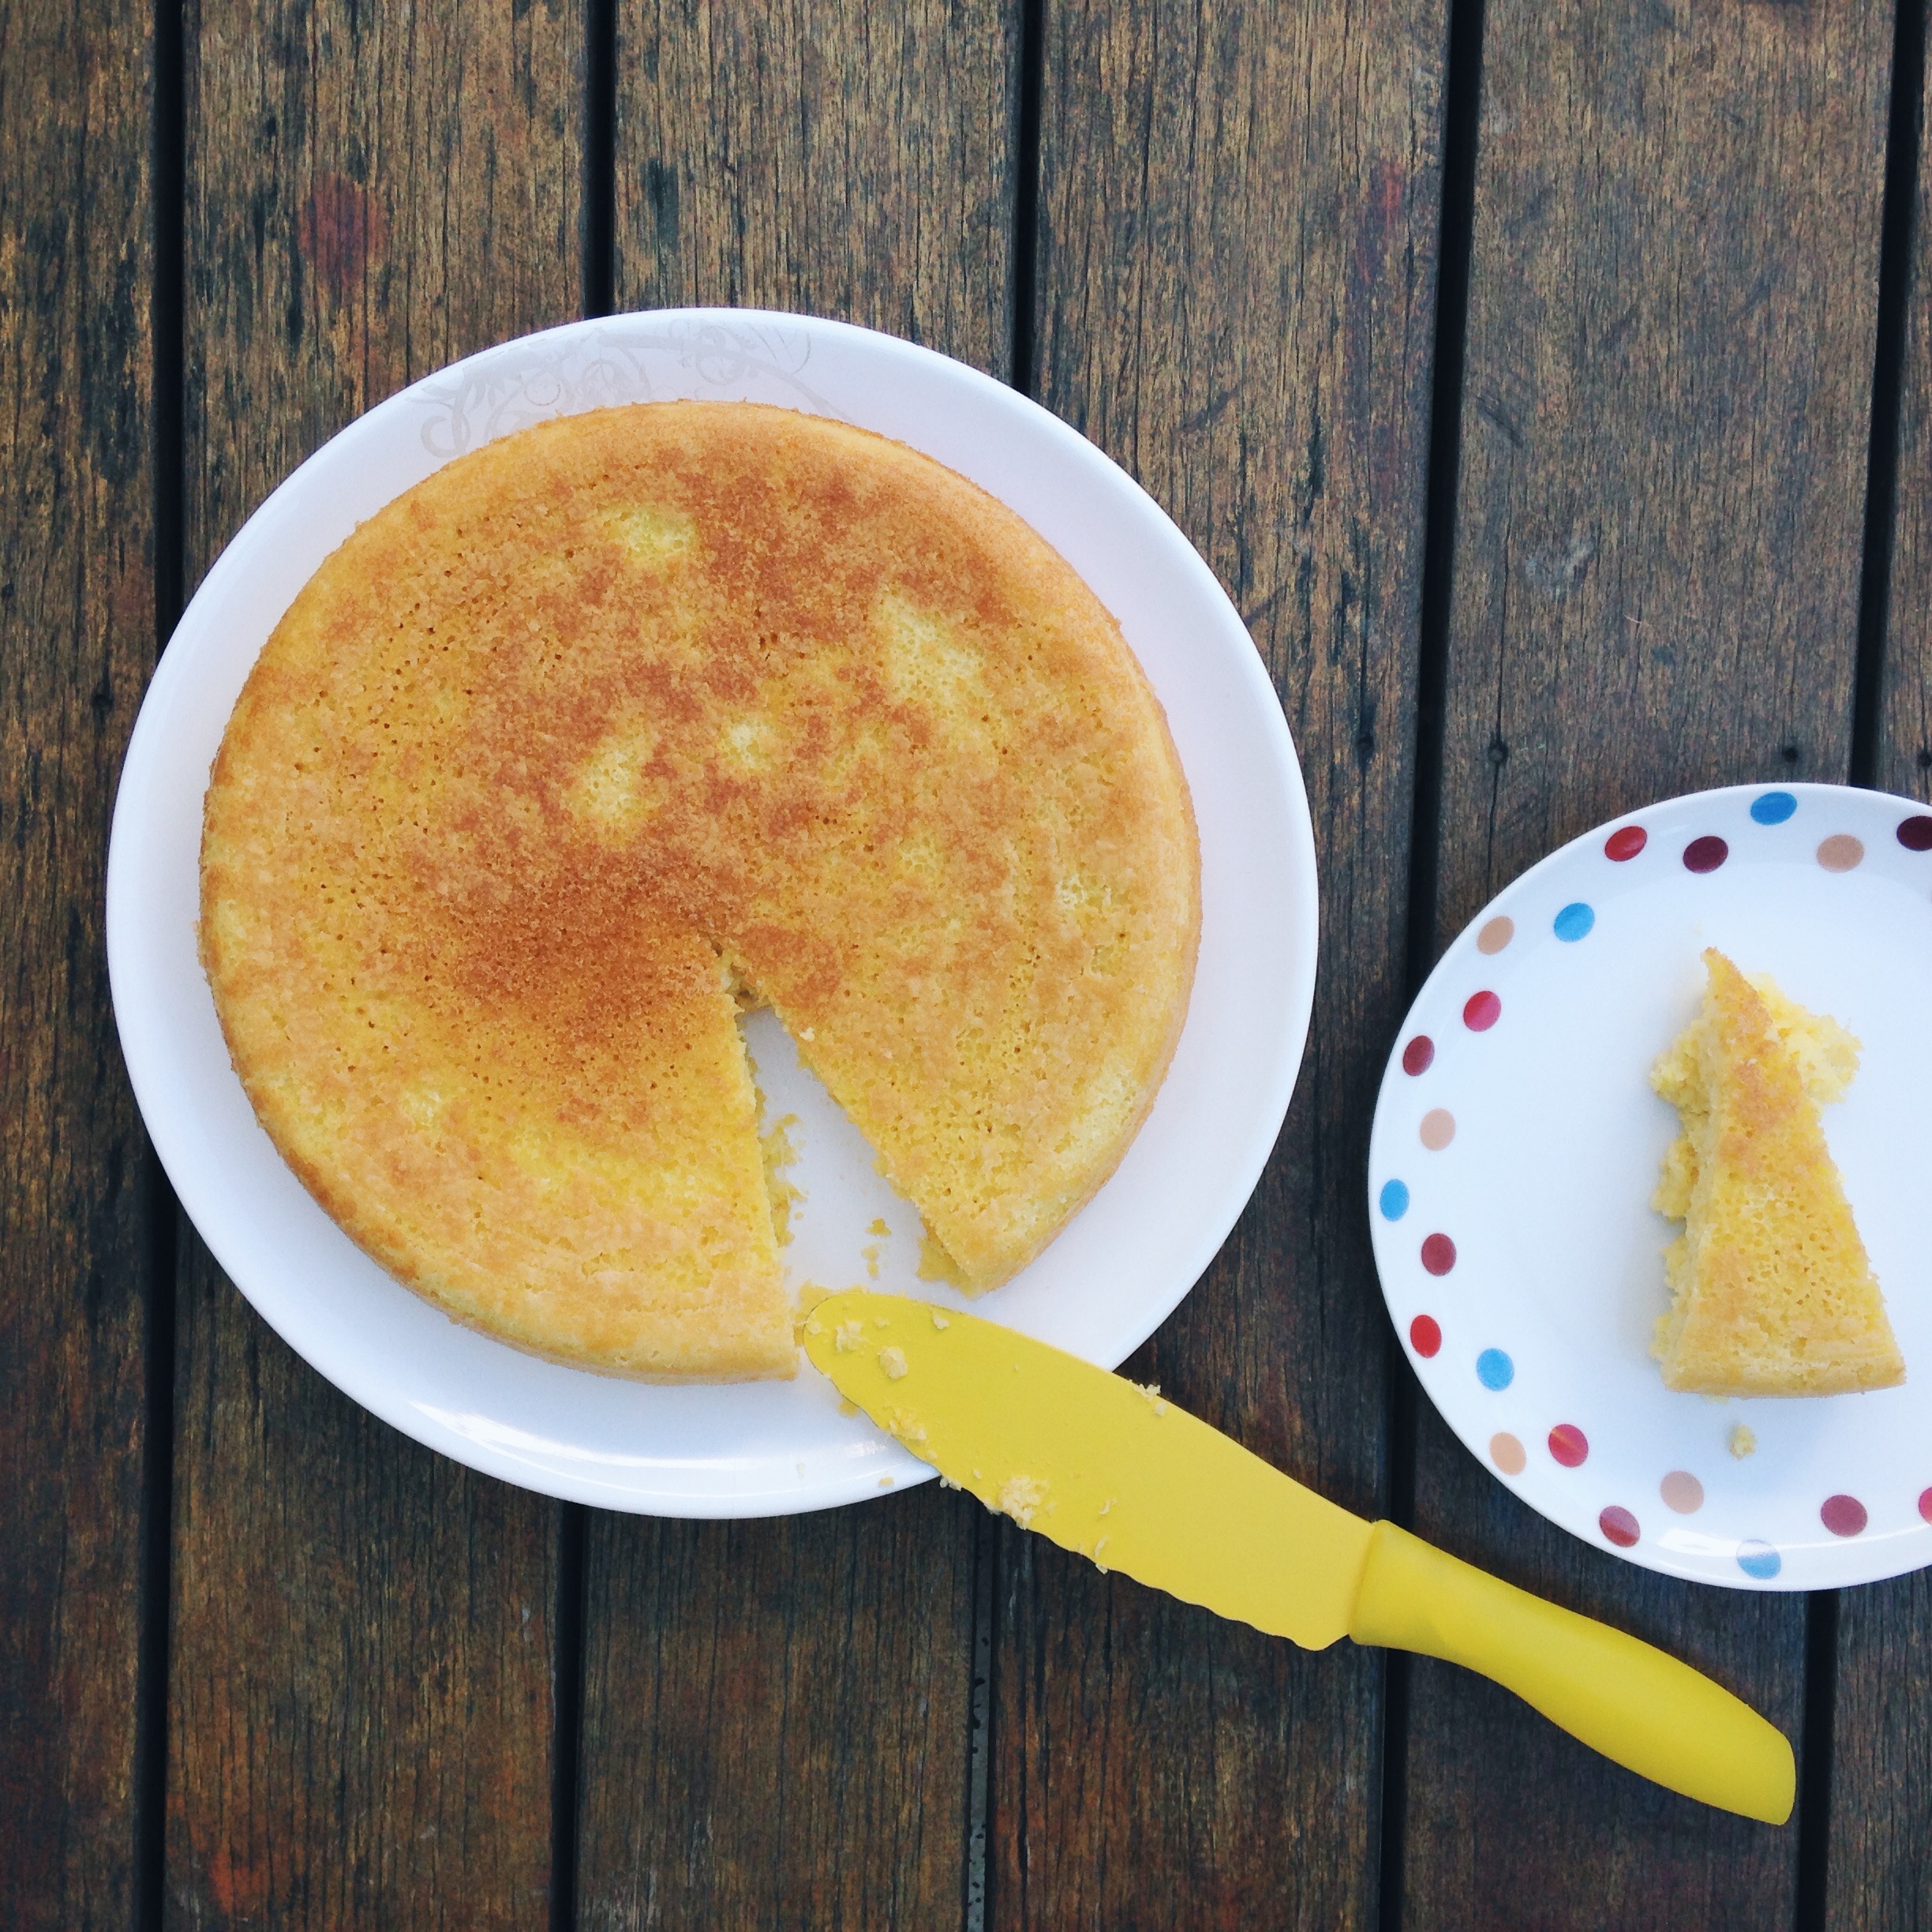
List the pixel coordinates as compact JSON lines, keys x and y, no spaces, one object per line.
{"x":1517,"y":1142}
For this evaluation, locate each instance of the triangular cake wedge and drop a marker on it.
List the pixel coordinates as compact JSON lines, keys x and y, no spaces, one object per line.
{"x":1774,"y":1293}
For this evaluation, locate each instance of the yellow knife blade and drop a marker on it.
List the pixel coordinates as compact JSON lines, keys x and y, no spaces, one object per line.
{"x":1096,"y":1463}
{"x":1118,"y":1473}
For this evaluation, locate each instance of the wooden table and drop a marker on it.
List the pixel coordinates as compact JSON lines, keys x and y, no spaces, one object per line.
{"x":1549,"y":384}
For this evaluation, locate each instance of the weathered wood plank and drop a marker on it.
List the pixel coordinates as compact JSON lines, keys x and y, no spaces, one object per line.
{"x":1905,"y":731}
{"x":77,"y":642}
{"x":776,"y":1716}
{"x":838,"y":159}
{"x":1238,"y":214}
{"x":1879,"y":1871}
{"x":1673,"y":301}
{"x":362,"y":1710}
{"x":1879,"y":1868}
{"x":371,"y":194}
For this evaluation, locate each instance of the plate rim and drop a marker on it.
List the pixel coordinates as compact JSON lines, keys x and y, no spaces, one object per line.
{"x":173,"y":685}
{"x":1646,"y":1555}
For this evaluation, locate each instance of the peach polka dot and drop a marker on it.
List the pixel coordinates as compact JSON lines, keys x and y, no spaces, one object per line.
{"x":1438,"y":1128}
{"x":1495,"y":936}
{"x":1840,"y":852}
{"x":1506,"y":1453}
{"x":1682,"y":1491}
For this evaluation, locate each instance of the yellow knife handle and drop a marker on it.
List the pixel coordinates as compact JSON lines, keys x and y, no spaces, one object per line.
{"x":1640,"y":1707}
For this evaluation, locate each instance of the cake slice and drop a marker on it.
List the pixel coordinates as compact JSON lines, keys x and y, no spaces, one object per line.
{"x":1774,"y":1293}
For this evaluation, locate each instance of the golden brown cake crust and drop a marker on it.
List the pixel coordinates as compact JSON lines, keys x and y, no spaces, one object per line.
{"x":622,"y":714}
{"x":1774,"y":1293}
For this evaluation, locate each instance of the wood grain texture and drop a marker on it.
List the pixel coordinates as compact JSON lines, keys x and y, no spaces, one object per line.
{"x":77,"y":642}
{"x":842,"y":159}
{"x":1905,"y":727}
{"x":361,"y":1709}
{"x":362,"y":1712}
{"x":776,"y":1717}
{"x":1673,"y":305}
{"x":1238,"y":215}
{"x":372,"y":193}
{"x":1879,"y":1872}
{"x":776,"y":1714}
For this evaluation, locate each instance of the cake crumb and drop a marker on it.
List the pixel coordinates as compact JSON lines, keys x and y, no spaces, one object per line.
{"x":885,"y":1482}
{"x":869,"y":1253}
{"x":847,"y":1406}
{"x":1022,"y":1498}
{"x":1151,"y":1392}
{"x":878,"y":1226}
{"x":778,"y":1151}
{"x":934,"y":1263}
{"x":908,"y":1428}
{"x":850,"y":1338}
{"x":1108,"y":1504}
{"x":939,"y":1321}
{"x":1742,"y":1441}
{"x":893,"y":1361}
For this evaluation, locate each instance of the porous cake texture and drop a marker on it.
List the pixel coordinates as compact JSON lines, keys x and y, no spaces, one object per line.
{"x":620,"y":724}
{"x":1772,"y":1293}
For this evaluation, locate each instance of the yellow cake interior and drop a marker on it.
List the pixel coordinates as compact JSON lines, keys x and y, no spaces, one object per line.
{"x":1772,"y":1293}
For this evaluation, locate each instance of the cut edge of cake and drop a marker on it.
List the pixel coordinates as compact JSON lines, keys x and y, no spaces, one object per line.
{"x":1774,"y":1293}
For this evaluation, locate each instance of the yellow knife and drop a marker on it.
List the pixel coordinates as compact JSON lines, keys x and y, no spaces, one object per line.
{"x":1115,"y":1473}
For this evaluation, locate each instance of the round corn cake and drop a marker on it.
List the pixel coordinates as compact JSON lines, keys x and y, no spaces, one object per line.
{"x":617,"y":726}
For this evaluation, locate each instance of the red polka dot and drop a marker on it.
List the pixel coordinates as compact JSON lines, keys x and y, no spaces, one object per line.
{"x":1439,"y":1254}
{"x":1481,"y":1012}
{"x":1843,"y":1515}
{"x":1626,"y":842}
{"x":1618,"y":1526}
{"x":1569,"y":1445}
{"x":1706,"y":854}
{"x":1418,"y":1054}
{"x":1915,"y":834}
{"x":1925,"y":1504}
{"x":1425,"y":1335}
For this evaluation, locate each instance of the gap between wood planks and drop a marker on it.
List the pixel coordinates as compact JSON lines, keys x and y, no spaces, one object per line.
{"x":599,"y":298}
{"x":1895,"y":253}
{"x":976,"y":1902}
{"x":1462,"y":104}
{"x":167,"y":472}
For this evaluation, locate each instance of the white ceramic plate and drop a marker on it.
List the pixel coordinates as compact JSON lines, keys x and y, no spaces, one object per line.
{"x":1117,"y":1269}
{"x":1517,"y":1142}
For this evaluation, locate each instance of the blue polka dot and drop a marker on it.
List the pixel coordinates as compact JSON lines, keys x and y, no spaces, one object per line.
{"x":1759,"y":1560}
{"x":1394,"y":1200}
{"x":1574,"y":921}
{"x":1771,"y":808}
{"x":1494,"y":1369}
